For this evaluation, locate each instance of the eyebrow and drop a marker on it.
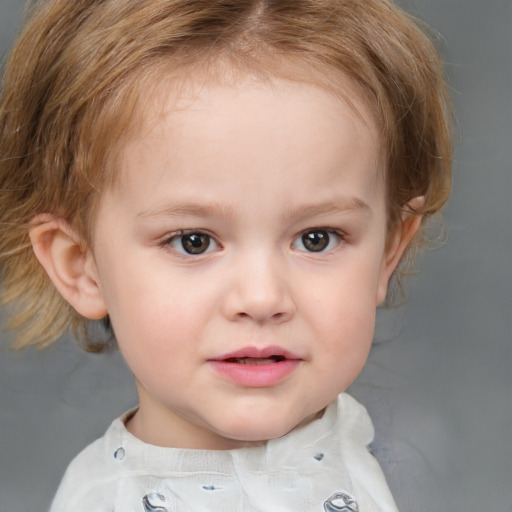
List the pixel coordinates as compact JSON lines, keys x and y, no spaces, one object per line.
{"x":187,"y":209}
{"x":219,"y":210}
{"x":336,"y":205}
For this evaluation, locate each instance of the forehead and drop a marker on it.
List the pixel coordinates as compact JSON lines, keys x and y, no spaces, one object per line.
{"x":172,"y":103}
{"x":169,"y":80}
{"x":222,"y":139}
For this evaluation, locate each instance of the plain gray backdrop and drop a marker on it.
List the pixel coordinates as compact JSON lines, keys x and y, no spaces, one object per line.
{"x":438,"y":383}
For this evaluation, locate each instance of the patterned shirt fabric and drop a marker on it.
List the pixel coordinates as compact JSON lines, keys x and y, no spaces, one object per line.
{"x":324,"y":466}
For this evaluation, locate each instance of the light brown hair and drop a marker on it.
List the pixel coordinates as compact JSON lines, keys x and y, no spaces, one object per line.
{"x":74,"y":82}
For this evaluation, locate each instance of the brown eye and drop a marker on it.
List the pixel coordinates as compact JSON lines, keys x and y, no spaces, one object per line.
{"x":317,"y":240}
{"x":195,"y":243}
{"x":192,"y":243}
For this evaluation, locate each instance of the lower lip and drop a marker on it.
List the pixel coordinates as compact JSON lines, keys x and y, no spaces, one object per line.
{"x":256,"y":375}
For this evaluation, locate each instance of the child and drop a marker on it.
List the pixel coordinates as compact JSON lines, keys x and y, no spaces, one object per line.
{"x":231,"y":185}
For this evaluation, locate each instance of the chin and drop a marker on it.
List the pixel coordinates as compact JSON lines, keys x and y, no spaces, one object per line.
{"x":257,"y":432}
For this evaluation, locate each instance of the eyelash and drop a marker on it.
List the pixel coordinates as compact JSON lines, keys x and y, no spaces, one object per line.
{"x":326,"y":235}
{"x":178,"y":235}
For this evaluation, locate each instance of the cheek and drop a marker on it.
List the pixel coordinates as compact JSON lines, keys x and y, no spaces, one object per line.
{"x":347,"y":342}
{"x":153,"y":321}
{"x":345,"y":296}
{"x":341,"y":313}
{"x":154,"y":339}
{"x":347,"y":326}
{"x":161,"y":321}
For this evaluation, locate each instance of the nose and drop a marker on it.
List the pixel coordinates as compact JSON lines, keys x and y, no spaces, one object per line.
{"x":259,"y":290}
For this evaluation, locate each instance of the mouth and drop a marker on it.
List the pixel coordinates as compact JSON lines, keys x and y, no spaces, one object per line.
{"x":256,"y":368}
{"x":255,"y":360}
{"x":254,"y":355}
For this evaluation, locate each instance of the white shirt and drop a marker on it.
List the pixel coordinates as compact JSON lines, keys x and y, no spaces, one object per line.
{"x":324,"y":466}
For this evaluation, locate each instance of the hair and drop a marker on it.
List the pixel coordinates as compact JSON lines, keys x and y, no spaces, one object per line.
{"x":77,"y":76}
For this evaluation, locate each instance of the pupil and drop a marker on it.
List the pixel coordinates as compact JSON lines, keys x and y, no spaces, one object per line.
{"x":315,"y":241}
{"x":196,"y":243}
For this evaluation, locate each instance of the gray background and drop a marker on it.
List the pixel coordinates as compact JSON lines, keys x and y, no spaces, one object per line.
{"x":438,"y":383}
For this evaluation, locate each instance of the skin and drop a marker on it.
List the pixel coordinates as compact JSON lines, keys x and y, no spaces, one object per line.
{"x":248,"y":169}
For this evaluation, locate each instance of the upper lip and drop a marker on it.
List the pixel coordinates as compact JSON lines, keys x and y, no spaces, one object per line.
{"x":258,"y":353}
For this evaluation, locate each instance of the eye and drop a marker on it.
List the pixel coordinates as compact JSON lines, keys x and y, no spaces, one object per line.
{"x":193,"y":242}
{"x":317,"y":240}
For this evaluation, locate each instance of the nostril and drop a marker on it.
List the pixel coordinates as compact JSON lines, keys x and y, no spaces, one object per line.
{"x":277,"y":317}
{"x":269,"y":304}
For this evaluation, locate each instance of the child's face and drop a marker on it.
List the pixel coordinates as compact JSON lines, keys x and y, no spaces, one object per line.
{"x":241,"y":258}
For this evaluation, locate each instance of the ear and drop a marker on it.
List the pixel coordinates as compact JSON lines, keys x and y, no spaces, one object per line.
{"x":397,"y":245}
{"x":69,"y":264}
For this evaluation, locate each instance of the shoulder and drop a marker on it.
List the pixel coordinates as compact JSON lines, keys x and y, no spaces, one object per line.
{"x":91,"y":476}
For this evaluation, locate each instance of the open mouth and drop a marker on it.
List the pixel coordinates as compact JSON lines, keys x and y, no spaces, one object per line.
{"x":256,"y":368}
{"x":255,"y":360}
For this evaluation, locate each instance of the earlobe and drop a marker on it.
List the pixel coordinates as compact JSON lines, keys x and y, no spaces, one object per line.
{"x":398,"y":244}
{"x":69,"y":264}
